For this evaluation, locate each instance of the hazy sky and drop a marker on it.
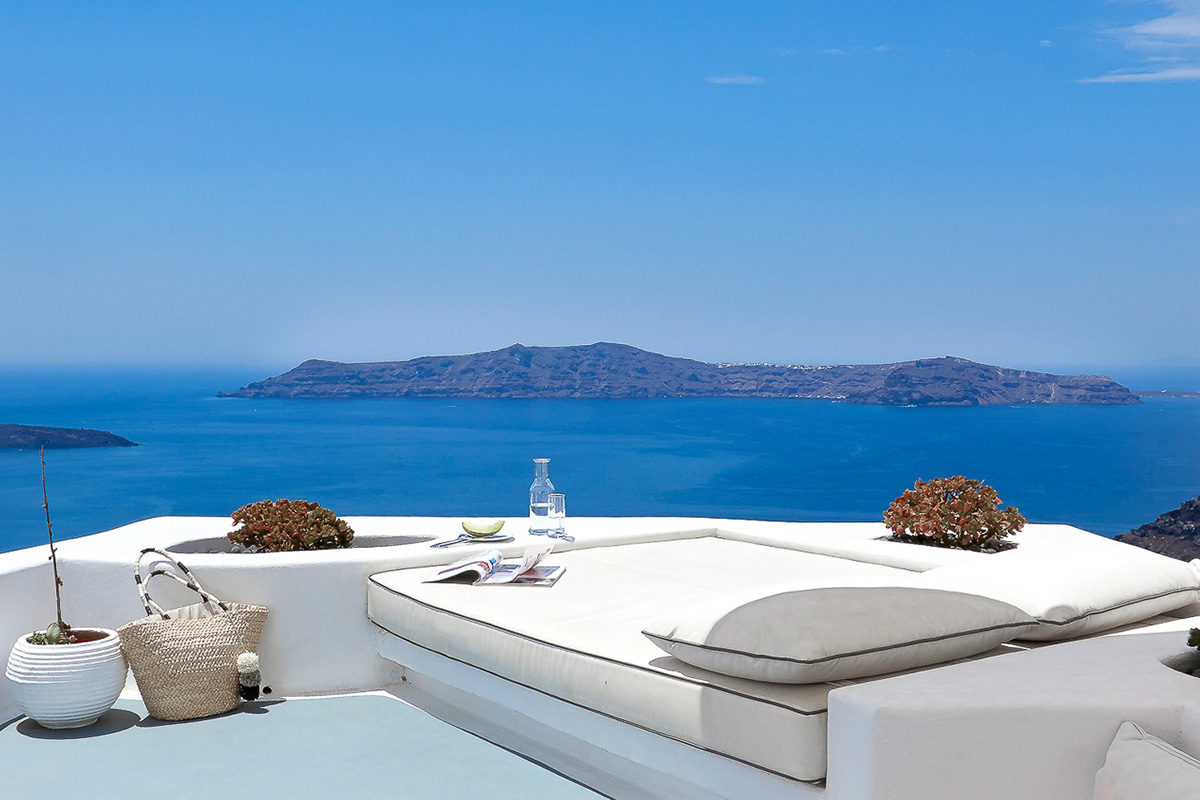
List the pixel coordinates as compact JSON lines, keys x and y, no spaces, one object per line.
{"x":802,"y":182}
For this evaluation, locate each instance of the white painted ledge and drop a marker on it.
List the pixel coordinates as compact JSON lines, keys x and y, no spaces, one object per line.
{"x":1021,"y":726}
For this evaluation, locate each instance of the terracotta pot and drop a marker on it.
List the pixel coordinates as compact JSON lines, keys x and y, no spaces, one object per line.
{"x":67,"y":685}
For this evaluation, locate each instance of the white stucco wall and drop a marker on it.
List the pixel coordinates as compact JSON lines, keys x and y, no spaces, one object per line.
{"x":26,"y":603}
{"x":1022,"y":726}
{"x":317,"y":638}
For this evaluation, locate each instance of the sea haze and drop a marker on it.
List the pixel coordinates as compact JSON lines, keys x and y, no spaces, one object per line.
{"x":1103,"y":468}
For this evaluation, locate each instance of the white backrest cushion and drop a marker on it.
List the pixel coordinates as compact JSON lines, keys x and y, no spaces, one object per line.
{"x":824,"y":633}
{"x":1140,"y":766}
{"x":1076,"y":594}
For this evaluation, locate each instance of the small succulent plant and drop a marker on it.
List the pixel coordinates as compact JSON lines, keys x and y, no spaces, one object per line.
{"x":57,"y":632}
{"x":273,"y":526}
{"x":952,"y":512}
{"x":52,"y":635}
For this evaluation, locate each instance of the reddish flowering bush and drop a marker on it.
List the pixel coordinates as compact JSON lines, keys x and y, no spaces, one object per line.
{"x":278,"y":525}
{"x":951,"y":512}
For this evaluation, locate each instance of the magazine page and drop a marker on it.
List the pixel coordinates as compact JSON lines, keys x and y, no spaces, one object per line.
{"x":511,"y":573}
{"x":541,"y":575}
{"x":474,"y":568}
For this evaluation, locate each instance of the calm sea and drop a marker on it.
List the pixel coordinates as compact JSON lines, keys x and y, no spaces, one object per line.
{"x":1105,"y":469}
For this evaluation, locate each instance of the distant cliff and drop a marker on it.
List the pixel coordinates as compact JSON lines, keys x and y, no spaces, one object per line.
{"x":1175,"y":533}
{"x":607,"y":370}
{"x":31,"y":437}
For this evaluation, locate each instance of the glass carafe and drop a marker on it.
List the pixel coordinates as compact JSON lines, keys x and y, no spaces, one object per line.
{"x":539,"y":497}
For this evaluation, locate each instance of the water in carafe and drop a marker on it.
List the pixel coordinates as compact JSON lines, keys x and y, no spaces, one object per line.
{"x":539,"y":497}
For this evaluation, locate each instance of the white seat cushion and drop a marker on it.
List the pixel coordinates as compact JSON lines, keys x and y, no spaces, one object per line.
{"x":581,"y":641}
{"x":1100,"y":587}
{"x":830,"y":632}
{"x":1140,"y":766}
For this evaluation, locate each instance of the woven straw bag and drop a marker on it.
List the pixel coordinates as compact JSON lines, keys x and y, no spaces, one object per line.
{"x":185,"y":659}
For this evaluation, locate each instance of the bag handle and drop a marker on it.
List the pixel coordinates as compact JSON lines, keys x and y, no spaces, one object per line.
{"x":186,"y":579}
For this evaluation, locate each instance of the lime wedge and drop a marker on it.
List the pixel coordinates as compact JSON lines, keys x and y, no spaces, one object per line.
{"x":478,"y":527}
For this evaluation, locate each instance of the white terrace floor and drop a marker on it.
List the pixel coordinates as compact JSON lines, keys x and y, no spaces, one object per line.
{"x":362,"y":746}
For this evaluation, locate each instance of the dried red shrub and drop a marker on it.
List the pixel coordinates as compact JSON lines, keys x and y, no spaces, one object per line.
{"x":951,"y":512}
{"x":280,"y":525}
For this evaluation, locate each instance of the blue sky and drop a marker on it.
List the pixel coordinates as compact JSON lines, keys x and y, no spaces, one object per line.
{"x":256,"y":184}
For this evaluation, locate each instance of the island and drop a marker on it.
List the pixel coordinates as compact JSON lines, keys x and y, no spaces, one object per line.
{"x":619,"y":371}
{"x":1168,"y":393}
{"x":1175,"y":533}
{"x":32,"y":437}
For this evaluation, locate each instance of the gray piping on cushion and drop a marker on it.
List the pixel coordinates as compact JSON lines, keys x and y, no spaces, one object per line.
{"x":868,"y":651}
{"x":659,"y":673}
{"x":760,"y":767}
{"x":1099,"y":611}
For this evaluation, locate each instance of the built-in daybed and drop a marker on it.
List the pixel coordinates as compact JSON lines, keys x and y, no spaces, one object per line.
{"x":737,"y":601}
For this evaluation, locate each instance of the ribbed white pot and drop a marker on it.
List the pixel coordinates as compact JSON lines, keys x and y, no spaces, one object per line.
{"x":67,"y":685}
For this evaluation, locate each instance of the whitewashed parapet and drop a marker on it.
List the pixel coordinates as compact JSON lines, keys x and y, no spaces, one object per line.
{"x":1033,"y":724}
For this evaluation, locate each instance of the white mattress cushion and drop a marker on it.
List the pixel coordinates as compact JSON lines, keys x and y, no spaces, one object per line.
{"x":1140,"y":766}
{"x":581,"y":641}
{"x":1098,"y":588}
{"x":825,"y":633}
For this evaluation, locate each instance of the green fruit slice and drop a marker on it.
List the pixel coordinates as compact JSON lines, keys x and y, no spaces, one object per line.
{"x":480,"y":528}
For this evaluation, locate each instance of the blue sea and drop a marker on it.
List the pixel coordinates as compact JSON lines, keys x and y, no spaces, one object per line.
{"x":1106,"y":469}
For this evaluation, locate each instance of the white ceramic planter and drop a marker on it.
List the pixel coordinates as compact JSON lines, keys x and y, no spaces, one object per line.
{"x":66,"y":685}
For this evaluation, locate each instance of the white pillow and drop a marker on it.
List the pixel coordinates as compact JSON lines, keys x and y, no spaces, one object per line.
{"x":1076,"y":594}
{"x":812,"y":635}
{"x":1140,"y":766}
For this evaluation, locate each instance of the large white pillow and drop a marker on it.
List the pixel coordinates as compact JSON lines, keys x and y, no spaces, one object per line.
{"x":817,"y":634}
{"x":1076,"y":594}
{"x":1140,"y":766}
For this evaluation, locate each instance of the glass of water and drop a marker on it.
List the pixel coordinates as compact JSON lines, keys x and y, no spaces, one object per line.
{"x":557,"y":515}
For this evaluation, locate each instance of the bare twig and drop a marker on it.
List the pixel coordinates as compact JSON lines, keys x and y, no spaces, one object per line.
{"x":62,"y":626}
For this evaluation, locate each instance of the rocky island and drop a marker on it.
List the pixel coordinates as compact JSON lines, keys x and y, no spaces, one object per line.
{"x":1175,"y":533}
{"x":606,"y":370}
{"x":31,"y":437}
{"x":1168,"y":393}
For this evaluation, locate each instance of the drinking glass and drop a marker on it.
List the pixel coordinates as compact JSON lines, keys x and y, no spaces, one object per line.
{"x":558,"y":513}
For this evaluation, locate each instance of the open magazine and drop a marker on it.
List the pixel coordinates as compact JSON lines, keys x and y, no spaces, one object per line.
{"x":487,"y":568}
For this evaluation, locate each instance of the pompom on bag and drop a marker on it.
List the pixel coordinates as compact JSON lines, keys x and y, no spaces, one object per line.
{"x":185,"y":659}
